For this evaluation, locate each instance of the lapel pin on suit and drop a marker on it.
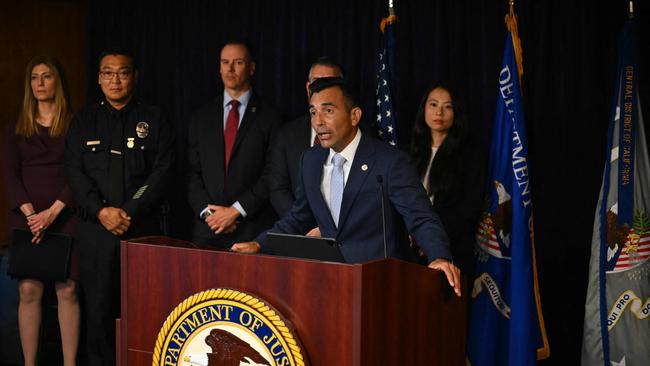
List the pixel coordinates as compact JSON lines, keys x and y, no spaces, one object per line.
{"x":253,"y":109}
{"x":364,"y":167}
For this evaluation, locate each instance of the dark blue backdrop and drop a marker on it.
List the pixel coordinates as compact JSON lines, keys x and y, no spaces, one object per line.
{"x":569,"y":60}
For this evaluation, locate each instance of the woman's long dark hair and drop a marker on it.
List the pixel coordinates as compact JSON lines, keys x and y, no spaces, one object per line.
{"x":447,"y":164}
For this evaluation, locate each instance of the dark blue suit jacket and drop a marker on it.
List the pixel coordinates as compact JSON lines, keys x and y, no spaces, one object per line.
{"x":360,"y":230}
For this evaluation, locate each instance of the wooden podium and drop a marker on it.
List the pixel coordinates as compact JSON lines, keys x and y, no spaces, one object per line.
{"x":384,"y":312}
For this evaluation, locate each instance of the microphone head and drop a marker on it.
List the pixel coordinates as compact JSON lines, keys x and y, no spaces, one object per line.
{"x":380,"y":179}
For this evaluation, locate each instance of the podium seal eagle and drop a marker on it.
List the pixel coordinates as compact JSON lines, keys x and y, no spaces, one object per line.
{"x":226,"y":327}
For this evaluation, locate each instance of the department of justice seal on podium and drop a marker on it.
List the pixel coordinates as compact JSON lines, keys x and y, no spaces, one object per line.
{"x":226,"y":327}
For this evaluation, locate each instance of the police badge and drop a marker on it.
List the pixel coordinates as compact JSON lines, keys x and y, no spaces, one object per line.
{"x":142,"y":129}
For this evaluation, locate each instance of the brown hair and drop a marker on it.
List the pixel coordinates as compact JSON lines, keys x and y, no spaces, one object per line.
{"x":27,"y":125}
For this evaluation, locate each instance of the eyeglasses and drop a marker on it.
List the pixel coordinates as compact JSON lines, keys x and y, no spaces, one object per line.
{"x":109,"y":75}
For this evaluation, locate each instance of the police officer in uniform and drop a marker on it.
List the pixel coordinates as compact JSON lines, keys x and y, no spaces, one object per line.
{"x":119,"y":156}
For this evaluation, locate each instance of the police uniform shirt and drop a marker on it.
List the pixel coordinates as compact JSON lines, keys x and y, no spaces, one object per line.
{"x":119,"y":158}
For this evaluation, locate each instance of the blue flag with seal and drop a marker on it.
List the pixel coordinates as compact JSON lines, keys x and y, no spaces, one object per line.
{"x":617,"y":308}
{"x":386,"y":118}
{"x":506,"y":323}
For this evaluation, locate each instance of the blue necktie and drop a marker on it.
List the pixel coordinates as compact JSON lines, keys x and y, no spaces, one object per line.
{"x":337,"y":184}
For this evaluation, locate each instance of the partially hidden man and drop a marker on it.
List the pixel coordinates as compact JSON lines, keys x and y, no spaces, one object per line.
{"x":338,"y":189}
{"x":291,"y":140}
{"x":119,"y":158}
{"x":228,"y":142}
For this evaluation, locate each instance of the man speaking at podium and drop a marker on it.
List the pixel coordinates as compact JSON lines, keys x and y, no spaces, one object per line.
{"x":340,"y":185}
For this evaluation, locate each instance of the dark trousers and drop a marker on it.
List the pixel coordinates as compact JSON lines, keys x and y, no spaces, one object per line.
{"x":99,"y":254}
{"x":99,"y":265}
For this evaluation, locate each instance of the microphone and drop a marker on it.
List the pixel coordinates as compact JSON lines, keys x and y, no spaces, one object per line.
{"x":380,"y":186}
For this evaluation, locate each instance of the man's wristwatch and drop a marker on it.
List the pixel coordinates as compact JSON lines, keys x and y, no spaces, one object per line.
{"x":205,"y":213}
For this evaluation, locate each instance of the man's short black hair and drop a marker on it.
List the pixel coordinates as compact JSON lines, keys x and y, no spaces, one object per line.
{"x":117,"y":51}
{"x":240,"y":42}
{"x":329,"y":62}
{"x":321,"y":84}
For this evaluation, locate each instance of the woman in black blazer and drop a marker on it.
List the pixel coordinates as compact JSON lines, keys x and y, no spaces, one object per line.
{"x":452,"y":169}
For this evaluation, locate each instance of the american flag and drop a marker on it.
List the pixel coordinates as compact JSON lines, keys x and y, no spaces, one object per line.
{"x":386,"y":122}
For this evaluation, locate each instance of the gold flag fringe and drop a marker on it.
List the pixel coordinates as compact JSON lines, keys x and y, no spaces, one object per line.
{"x":387,"y":21}
{"x":511,"y":23}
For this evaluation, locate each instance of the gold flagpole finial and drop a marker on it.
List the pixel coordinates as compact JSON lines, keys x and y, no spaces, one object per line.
{"x":631,"y":13}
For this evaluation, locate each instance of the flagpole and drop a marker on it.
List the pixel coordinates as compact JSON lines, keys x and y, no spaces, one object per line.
{"x":391,"y":10}
{"x":386,"y":114}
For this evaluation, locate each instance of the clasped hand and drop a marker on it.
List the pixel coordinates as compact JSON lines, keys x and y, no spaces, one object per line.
{"x":114,"y":219}
{"x":223,"y":219}
{"x":39,"y":222}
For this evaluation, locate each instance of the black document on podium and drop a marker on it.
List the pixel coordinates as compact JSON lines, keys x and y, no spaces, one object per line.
{"x":308,"y":247}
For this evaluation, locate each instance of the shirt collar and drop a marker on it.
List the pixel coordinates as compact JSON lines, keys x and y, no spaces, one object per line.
{"x":243,"y":99}
{"x":349,"y":151}
{"x":124,"y":109}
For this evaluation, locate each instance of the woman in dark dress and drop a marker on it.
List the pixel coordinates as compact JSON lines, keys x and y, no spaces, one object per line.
{"x":39,"y":196}
{"x":452,"y":169}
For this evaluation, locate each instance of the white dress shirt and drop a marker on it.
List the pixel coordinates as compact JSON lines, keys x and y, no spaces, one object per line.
{"x":425,"y":179}
{"x":243,"y":103}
